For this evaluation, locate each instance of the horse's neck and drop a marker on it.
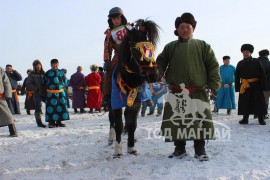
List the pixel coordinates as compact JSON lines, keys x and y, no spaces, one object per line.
{"x":131,"y":79}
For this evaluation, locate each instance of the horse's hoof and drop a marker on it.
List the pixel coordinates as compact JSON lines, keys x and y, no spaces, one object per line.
{"x":132,"y":150}
{"x":115,"y":156}
{"x":118,"y":149}
{"x":110,"y":143}
{"x":111,"y":135}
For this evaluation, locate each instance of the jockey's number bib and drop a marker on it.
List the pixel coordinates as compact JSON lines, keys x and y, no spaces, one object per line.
{"x":119,"y":33}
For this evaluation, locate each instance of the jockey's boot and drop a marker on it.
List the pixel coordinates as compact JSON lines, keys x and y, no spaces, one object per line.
{"x":261,"y":120}
{"x":12,"y":130}
{"x":38,"y":120}
{"x":244,"y":120}
{"x":200,"y":150}
{"x":59,"y":124}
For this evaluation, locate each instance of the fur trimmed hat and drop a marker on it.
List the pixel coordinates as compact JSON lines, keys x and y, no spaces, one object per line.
{"x":247,"y":47}
{"x":186,"y":18}
{"x":226,"y":57}
{"x":264,"y":52}
{"x":36,"y":62}
{"x":54,"y":61}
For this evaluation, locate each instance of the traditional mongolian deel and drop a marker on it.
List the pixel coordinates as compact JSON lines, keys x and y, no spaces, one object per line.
{"x":226,"y":93}
{"x":196,"y":74}
{"x":5,"y":92}
{"x":77,"y":82}
{"x":56,"y":106}
{"x":94,"y":95}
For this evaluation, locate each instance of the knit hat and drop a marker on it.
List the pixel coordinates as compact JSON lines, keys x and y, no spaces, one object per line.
{"x":226,"y":57}
{"x":247,"y":47}
{"x":54,"y":61}
{"x":264,"y":52}
{"x":186,"y":18}
{"x":36,"y":62}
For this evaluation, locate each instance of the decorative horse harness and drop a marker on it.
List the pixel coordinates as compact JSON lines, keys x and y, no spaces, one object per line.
{"x":147,"y":53}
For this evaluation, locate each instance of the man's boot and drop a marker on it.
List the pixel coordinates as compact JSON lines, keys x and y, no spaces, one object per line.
{"x":75,"y":110}
{"x":261,"y":120}
{"x":91,"y":110}
{"x":51,"y":124}
{"x":244,"y":120}
{"x":179,"y":150}
{"x":60,"y":124}
{"x":150,"y":113}
{"x":82,"y":110}
{"x":200,"y":150}
{"x":159,"y":112}
{"x":38,"y":120}
{"x":28,"y":112}
{"x":229,"y":111}
{"x":12,"y":130}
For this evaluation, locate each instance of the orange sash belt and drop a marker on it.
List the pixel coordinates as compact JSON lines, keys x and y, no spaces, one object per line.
{"x":81,"y":87}
{"x":16,"y":95}
{"x":2,"y":95}
{"x":245,"y":84}
{"x":29,"y":94}
{"x":54,"y":90}
{"x":93,"y":87}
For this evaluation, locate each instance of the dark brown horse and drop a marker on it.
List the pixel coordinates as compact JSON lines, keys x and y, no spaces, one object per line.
{"x":135,"y":66}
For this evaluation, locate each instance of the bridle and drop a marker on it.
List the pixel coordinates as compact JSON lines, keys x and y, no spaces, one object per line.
{"x":146,"y":50}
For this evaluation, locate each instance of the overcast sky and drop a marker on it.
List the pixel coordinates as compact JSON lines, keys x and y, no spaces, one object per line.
{"x":73,"y":30}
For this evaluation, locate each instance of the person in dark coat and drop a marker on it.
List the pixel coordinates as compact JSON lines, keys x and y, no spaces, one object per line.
{"x":77,"y":82}
{"x":55,"y":81}
{"x":34,"y":83}
{"x":29,"y":103}
{"x":6,"y":118}
{"x":250,"y":80}
{"x":263,"y":57}
{"x":14,"y":77}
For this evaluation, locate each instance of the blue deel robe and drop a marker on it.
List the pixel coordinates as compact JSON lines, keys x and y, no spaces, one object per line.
{"x":226,"y":96}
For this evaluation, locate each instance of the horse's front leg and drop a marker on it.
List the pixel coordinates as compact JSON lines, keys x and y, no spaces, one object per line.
{"x":131,"y":115}
{"x":117,"y":116}
{"x":112,"y":127}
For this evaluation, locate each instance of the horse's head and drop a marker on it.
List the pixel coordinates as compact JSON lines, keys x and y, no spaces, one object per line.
{"x":137,"y":50}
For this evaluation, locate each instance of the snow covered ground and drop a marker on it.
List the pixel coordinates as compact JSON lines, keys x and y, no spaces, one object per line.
{"x":80,"y":151}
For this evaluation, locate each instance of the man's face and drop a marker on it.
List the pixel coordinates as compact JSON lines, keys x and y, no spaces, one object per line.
{"x":185,"y":30}
{"x":55,"y":66}
{"x":246,"y":54}
{"x":9,"y":69}
{"x":226,"y":62}
{"x":117,"y":21}
{"x":38,"y":67}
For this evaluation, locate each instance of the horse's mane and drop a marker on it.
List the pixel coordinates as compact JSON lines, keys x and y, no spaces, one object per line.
{"x":143,"y":30}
